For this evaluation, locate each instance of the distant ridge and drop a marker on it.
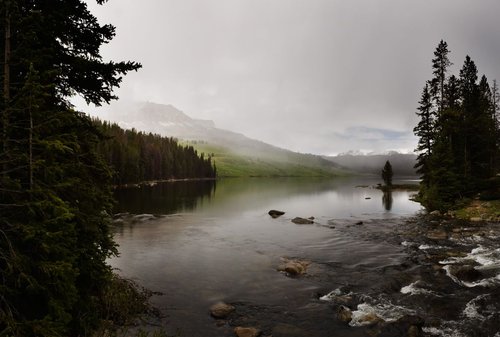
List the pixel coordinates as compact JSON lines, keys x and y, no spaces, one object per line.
{"x":372,"y":163}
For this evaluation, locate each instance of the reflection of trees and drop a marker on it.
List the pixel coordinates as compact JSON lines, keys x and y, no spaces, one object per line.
{"x":387,"y":200}
{"x":164,"y":198}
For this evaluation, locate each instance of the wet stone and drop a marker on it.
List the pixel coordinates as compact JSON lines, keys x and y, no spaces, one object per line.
{"x":221,"y":310}
{"x":437,"y":235}
{"x":275,"y":213}
{"x":294,"y":267}
{"x":466,"y":273}
{"x":302,"y":221}
{"x":246,"y":332}
{"x":344,"y":314}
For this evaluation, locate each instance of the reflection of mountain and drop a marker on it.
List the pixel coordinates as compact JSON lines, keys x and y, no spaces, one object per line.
{"x":234,"y":153}
{"x":402,"y":164}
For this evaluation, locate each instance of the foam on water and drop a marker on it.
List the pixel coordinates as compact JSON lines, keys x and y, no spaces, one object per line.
{"x":385,"y":310}
{"x":443,"y":331}
{"x":426,"y":247}
{"x":407,"y":244}
{"x":485,"y":258}
{"x":471,"y":308}
{"x":487,"y":282}
{"x":414,"y":289}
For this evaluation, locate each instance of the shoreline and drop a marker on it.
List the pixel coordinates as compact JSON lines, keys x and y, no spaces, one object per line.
{"x":150,"y":183}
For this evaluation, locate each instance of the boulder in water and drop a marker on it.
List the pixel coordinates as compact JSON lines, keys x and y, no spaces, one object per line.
{"x":294,"y":267}
{"x":302,"y":221}
{"x":221,"y":310}
{"x":246,"y":332}
{"x":275,"y":214}
{"x":344,"y":314}
{"x":437,"y":235}
{"x":466,"y":273}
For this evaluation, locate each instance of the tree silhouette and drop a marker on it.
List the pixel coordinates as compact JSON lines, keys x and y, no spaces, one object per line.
{"x":387,"y":174}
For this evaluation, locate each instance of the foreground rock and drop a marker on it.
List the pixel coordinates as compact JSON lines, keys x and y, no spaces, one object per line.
{"x":294,"y":267}
{"x":302,"y":221}
{"x":344,"y":314}
{"x":246,"y":332}
{"x":437,"y":235}
{"x":466,"y":273}
{"x":275,"y":214}
{"x":221,"y":310}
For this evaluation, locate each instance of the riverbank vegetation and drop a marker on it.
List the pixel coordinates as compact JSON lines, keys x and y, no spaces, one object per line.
{"x":458,"y":132}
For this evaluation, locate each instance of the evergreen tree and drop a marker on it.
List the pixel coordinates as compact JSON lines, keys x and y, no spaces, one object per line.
{"x":55,"y":196}
{"x":425,"y":131}
{"x":440,"y":64}
{"x":387,"y":174}
{"x":452,"y":93}
{"x":458,"y":141}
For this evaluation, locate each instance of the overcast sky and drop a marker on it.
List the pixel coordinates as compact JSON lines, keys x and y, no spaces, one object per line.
{"x":316,"y":76}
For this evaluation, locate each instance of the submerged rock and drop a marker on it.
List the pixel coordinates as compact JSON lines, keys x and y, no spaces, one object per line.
{"x":221,"y":310}
{"x":294,"y":267}
{"x":437,"y":235}
{"x":246,"y":332}
{"x":344,"y":314}
{"x":466,"y":273}
{"x":275,"y":214}
{"x":302,"y":221}
{"x":288,"y":330}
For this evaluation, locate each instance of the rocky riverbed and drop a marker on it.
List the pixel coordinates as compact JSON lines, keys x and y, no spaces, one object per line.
{"x":446,"y":284}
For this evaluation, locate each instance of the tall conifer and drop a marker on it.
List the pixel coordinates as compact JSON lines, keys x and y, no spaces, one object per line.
{"x":55,"y":197}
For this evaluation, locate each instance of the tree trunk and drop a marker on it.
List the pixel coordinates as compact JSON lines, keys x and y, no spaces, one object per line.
{"x":6,"y":88}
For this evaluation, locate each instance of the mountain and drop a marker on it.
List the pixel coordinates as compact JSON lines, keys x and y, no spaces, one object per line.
{"x":233,"y":153}
{"x":372,"y":163}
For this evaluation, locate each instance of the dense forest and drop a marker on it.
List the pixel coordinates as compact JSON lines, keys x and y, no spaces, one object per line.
{"x":458,"y":148}
{"x":55,"y":188}
{"x":138,"y":156}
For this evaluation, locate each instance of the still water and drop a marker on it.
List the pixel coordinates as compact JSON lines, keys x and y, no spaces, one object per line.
{"x":202,"y":242}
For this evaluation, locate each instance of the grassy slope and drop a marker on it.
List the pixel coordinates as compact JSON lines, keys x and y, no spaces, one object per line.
{"x":236,"y":165}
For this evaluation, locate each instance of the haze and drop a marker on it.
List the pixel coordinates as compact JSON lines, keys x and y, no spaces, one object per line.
{"x":314,"y":76}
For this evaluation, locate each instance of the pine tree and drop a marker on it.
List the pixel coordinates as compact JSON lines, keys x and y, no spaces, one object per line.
{"x":55,"y":196}
{"x":458,"y":135}
{"x":426,"y":133}
{"x":440,"y":64}
{"x":387,"y":174}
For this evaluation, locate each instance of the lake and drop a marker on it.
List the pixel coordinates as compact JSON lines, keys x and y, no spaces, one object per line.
{"x":201,"y":242}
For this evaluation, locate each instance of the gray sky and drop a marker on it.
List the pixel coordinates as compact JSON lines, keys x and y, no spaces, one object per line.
{"x":316,"y":76}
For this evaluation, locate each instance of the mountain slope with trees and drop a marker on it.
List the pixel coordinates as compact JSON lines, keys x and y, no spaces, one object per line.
{"x":234,"y":154}
{"x":458,"y":134}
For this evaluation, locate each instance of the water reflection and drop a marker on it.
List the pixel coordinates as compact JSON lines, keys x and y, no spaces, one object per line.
{"x":387,"y":200}
{"x":165,"y":198}
{"x":330,"y":198}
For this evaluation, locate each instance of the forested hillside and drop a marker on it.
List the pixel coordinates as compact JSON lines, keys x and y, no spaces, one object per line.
{"x":458,"y":134}
{"x":138,"y":156}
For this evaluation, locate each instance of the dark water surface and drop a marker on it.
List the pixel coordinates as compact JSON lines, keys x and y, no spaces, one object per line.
{"x":203,"y":242}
